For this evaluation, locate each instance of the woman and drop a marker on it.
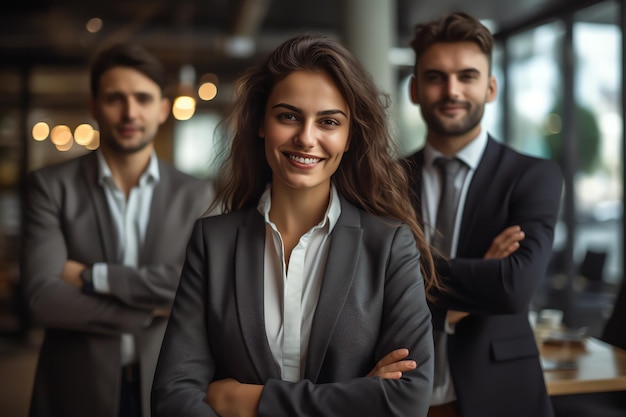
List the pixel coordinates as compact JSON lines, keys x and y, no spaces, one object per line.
{"x":313,"y":274}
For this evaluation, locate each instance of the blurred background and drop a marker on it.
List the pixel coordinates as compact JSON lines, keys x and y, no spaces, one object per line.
{"x":559,"y":66}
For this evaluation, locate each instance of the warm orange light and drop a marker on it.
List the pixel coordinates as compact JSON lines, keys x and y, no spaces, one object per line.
{"x":207,"y":91}
{"x":61,"y":135}
{"x":40,"y":131}
{"x":83,"y":134}
{"x":184,"y":107}
{"x":65,"y":146}
{"x":94,"y":25}
{"x":95,"y":141}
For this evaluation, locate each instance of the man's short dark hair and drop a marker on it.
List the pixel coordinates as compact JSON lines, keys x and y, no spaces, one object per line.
{"x":452,"y":28}
{"x":130,"y":55}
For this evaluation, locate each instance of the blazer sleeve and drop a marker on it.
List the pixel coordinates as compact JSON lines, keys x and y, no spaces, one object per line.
{"x":507,"y":286}
{"x":186,"y":365}
{"x":53,"y":302}
{"x":153,"y":283}
{"x":406,"y":323}
{"x":144,"y":287}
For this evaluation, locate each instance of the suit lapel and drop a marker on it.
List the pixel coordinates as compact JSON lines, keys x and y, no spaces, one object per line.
{"x":339,"y":275}
{"x":477,"y":192}
{"x":249,"y":263}
{"x":158,"y":215}
{"x":107,"y":233}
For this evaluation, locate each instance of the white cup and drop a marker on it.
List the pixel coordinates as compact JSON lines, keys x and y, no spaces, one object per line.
{"x":551,"y":318}
{"x":532,"y":318}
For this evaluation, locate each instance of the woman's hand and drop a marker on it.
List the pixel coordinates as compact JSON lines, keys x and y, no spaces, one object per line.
{"x":230,"y":398}
{"x":393,"y":365}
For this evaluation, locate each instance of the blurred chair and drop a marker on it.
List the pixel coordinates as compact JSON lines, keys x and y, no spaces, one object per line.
{"x":591,"y":271}
{"x":615,"y":329}
{"x":592,"y":298}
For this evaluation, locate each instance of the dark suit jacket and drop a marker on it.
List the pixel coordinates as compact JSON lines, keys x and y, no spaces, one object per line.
{"x":372,"y":301}
{"x":493,"y":356}
{"x":67,"y":217}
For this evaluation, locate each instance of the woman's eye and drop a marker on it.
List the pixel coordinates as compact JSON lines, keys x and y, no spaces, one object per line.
{"x":287,"y":116}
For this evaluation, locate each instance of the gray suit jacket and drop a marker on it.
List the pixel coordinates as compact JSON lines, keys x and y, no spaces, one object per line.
{"x":372,"y":301}
{"x":67,"y":217}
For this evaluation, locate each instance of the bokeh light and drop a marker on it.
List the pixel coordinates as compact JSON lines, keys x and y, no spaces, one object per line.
{"x":40,"y":131}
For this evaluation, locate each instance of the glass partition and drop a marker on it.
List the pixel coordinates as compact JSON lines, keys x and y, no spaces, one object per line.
{"x":592,"y":142}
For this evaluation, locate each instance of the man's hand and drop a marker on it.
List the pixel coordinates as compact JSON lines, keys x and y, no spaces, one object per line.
{"x":71,"y":273}
{"x":454,"y":316}
{"x":230,"y":398}
{"x":505,"y":243}
{"x":392,"y":366}
{"x":160,"y":312}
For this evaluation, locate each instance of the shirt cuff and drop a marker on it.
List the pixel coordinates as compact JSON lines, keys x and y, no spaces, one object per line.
{"x":101,"y":278}
{"x":448,"y":327}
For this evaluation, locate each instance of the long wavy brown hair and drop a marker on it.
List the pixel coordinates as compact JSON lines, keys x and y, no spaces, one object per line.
{"x":369,"y":175}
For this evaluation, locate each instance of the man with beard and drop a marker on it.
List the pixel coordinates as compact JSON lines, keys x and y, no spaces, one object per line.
{"x":103,"y":247}
{"x":490,"y":213}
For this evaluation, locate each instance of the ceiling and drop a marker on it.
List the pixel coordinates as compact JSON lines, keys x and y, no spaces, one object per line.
{"x":203,"y":32}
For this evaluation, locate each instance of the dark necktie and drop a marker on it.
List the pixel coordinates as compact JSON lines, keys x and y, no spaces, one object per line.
{"x":448,"y":203}
{"x":442,"y":240}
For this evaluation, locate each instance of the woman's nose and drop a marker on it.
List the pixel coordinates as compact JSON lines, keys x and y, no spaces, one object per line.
{"x":305,"y":137}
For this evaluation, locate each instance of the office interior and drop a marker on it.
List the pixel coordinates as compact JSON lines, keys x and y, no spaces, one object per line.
{"x":559,"y":65}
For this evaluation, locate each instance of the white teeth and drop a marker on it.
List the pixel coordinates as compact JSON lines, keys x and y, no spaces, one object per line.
{"x":302,"y":160}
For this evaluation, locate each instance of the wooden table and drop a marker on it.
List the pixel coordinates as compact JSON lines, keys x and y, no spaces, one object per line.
{"x":596,"y":367}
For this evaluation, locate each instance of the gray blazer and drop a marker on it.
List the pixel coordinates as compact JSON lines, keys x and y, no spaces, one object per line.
{"x":67,"y":217}
{"x":372,"y":301}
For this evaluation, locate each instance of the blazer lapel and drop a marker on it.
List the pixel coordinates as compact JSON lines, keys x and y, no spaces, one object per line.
{"x":107,"y":234}
{"x":341,"y":266}
{"x":479,"y":188}
{"x":158,"y":215}
{"x":249,"y":264}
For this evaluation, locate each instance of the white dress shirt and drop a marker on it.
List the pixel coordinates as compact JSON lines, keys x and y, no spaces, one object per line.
{"x":471,"y":155}
{"x":291,"y":294}
{"x":130,"y":217}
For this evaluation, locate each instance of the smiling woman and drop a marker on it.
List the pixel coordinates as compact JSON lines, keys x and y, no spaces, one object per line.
{"x":313,"y":282}
{"x":306,"y":128}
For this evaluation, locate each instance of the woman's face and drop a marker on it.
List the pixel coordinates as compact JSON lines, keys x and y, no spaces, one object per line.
{"x":306,"y":130}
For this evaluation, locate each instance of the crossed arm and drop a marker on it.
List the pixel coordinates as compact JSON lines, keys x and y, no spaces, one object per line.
{"x":72,"y":275}
{"x":49,"y":265}
{"x":502,"y":246}
{"x":230,"y":398}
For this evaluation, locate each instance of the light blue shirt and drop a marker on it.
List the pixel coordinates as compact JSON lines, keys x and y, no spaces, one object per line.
{"x":130,"y":217}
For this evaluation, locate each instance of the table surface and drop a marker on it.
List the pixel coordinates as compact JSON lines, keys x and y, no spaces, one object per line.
{"x":585,"y":367}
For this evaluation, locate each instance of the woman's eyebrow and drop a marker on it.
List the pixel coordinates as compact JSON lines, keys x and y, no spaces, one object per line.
{"x":320,"y":113}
